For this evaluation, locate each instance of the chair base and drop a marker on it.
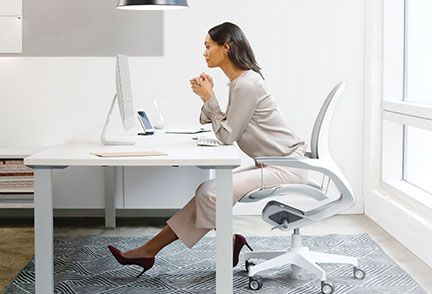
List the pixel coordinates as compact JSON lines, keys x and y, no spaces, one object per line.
{"x":300,"y":258}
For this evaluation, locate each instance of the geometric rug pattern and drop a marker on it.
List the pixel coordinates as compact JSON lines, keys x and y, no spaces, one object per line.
{"x":84,"y":265}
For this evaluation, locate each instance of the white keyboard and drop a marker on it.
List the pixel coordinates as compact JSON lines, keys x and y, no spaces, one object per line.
{"x":206,"y":141}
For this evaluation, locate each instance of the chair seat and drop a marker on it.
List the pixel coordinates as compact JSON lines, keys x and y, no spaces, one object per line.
{"x":311,"y":189}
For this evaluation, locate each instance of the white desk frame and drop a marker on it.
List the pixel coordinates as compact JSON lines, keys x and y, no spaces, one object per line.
{"x":181,"y":150}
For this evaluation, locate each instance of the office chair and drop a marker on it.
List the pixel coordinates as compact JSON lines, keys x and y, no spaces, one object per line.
{"x":282,"y":211}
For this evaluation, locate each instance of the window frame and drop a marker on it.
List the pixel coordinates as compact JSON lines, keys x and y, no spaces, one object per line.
{"x":396,"y":109}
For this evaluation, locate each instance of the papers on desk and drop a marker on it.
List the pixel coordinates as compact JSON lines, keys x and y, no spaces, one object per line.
{"x":186,"y":131}
{"x":130,"y":154}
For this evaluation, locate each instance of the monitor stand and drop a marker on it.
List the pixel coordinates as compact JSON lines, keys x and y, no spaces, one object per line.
{"x":103,"y":136}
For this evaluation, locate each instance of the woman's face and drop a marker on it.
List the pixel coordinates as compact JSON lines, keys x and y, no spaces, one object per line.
{"x":214,"y":53}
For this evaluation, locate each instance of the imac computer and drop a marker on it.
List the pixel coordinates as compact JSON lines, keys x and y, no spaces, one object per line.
{"x":125,"y":102}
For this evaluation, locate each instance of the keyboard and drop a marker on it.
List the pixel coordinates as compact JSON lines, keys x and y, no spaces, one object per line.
{"x":206,"y":141}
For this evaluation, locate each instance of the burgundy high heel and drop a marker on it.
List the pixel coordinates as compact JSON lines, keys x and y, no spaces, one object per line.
{"x":239,"y":242}
{"x":146,"y":262}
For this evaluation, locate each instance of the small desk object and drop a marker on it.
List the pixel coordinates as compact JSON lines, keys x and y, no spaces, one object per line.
{"x":180,"y":150}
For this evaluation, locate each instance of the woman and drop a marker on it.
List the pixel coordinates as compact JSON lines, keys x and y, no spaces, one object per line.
{"x":252,"y":119}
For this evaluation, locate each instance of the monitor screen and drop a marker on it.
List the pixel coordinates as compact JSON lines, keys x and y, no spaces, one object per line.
{"x":124,"y":92}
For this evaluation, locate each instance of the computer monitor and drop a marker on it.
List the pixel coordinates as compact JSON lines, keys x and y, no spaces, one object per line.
{"x":124,"y":92}
{"x":125,"y":102}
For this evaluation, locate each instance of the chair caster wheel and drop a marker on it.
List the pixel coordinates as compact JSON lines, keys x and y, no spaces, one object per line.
{"x":359,"y":274}
{"x":326,"y":288}
{"x":255,"y":284}
{"x":248,"y":265}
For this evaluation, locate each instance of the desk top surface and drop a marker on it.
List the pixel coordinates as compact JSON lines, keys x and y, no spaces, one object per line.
{"x":181,"y":150}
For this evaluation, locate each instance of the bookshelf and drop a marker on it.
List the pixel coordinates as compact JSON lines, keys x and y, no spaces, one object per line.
{"x":16,"y":180}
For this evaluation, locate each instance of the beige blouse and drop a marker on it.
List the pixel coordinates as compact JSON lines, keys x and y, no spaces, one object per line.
{"x":252,"y":118}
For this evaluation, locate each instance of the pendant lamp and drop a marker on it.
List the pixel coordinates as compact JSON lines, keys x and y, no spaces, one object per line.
{"x":152,"y":4}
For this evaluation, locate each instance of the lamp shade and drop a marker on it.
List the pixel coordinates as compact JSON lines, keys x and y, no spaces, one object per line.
{"x":152,"y":4}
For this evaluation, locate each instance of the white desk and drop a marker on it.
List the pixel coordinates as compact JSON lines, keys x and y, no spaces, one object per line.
{"x":181,"y":150}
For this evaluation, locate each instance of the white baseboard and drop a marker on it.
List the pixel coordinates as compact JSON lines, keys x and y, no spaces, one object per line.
{"x":406,"y":224}
{"x":97,"y":213}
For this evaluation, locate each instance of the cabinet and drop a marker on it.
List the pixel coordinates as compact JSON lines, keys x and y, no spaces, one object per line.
{"x":10,"y":26}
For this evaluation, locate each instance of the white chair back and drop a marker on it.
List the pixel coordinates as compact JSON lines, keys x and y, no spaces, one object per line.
{"x":320,"y":131}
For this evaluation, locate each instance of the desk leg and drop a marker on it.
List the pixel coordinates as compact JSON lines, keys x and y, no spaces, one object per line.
{"x":113,"y":178}
{"x":43,"y":224}
{"x":224,"y":270}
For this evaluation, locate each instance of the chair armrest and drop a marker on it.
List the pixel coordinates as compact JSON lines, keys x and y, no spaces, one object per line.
{"x":328,"y":168}
{"x":265,"y":159}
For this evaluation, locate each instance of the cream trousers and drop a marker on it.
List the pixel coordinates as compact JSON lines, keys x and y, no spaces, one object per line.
{"x":198,"y":217}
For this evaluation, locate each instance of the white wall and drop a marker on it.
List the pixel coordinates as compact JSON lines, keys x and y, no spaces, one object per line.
{"x":304,"y":48}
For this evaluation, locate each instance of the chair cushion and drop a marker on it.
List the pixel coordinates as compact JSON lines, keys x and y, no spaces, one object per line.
{"x":310,"y":189}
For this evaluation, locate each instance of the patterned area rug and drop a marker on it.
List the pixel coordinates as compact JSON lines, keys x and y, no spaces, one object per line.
{"x":85,"y":265}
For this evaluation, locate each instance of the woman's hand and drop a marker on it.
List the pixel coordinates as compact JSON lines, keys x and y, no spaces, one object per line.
{"x":203,"y":86}
{"x":206,"y":76}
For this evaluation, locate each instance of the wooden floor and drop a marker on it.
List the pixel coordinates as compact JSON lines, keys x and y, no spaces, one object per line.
{"x":16,"y":249}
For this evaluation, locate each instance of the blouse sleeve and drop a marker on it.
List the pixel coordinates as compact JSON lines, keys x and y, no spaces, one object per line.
{"x":229,"y":126}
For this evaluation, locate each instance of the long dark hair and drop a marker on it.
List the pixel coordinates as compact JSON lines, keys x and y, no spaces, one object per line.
{"x":240,"y":52}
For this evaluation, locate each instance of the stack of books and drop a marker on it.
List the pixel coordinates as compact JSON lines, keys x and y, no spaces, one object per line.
{"x":16,"y":180}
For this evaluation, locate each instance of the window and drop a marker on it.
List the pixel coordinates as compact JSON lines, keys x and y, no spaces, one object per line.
{"x":407,"y":105}
{"x":418,"y":146}
{"x":418,"y":40}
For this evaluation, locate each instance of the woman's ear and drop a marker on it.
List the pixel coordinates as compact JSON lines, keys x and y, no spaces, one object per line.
{"x":226,"y":47}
